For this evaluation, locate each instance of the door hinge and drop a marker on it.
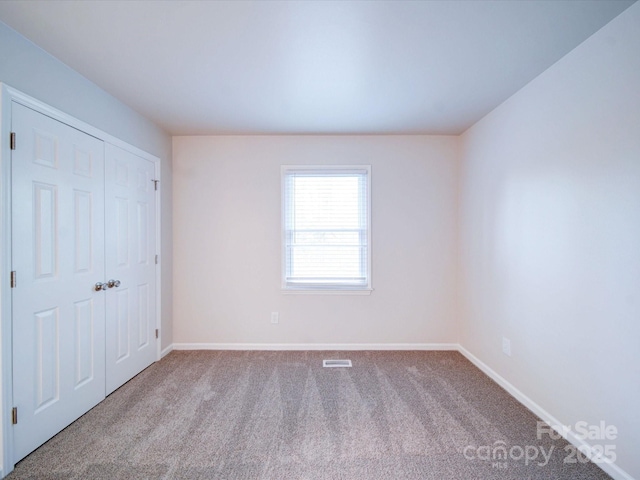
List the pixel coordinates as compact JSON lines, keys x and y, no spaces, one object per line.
{"x":13,"y":279}
{"x":156,"y":259}
{"x":12,"y":140}
{"x":157,"y":333}
{"x":14,"y":415}
{"x":155,"y":184}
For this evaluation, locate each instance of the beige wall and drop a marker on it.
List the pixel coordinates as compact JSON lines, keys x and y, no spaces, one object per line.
{"x":551,"y":236}
{"x":227,"y":238}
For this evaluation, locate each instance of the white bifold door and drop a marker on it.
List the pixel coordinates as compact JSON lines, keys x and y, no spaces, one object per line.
{"x":83,"y":253}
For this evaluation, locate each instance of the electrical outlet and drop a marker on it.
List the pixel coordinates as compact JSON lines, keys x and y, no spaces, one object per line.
{"x":275,"y":317}
{"x":506,"y":346}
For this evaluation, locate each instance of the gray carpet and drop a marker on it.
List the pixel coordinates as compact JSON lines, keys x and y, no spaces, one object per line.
{"x":280,"y":415}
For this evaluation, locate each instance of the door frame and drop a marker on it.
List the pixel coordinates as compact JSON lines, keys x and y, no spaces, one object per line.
{"x":8,"y":95}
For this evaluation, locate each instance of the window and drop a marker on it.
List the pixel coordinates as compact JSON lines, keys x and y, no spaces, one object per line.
{"x":326,"y":228}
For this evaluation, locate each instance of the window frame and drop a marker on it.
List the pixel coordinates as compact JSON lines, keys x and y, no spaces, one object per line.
{"x":317,"y":288}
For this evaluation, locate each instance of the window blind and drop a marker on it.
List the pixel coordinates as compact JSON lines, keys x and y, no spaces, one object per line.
{"x":326,"y":228}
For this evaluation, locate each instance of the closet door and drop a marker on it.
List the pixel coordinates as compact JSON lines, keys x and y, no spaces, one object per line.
{"x":131,"y":268}
{"x":58,"y":256}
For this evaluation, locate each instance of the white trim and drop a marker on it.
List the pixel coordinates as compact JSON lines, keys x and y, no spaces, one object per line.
{"x":158,"y":193}
{"x":166,"y":351}
{"x":315,"y":346}
{"x":610,"y":468}
{"x":310,"y":291}
{"x":6,"y":334}
{"x":35,"y":104}
{"x":8,"y":95}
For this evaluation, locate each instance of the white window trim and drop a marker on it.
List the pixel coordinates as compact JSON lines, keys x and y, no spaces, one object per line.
{"x":320,"y":290}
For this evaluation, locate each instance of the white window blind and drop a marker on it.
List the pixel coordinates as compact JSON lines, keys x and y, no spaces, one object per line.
{"x":326,"y":228}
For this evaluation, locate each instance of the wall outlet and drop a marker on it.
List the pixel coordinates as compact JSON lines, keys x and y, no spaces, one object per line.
{"x":506,"y":346}
{"x":275,"y":317}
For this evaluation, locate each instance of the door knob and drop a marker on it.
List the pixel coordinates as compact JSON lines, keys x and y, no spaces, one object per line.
{"x":100,"y":286}
{"x":113,"y":283}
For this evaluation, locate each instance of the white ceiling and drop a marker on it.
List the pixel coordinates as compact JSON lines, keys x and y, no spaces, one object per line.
{"x":208,"y":67}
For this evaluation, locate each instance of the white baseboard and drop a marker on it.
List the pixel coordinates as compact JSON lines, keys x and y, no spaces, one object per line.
{"x":315,"y":346}
{"x":166,"y":351}
{"x":610,"y":468}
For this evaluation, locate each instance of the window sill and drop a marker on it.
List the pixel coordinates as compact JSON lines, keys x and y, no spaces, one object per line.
{"x":320,"y":291}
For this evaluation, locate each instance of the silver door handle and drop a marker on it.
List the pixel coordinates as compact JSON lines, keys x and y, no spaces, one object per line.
{"x":113,"y":283}
{"x":100,"y":286}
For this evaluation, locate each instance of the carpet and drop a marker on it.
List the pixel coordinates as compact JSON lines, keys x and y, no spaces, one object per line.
{"x":280,"y":415}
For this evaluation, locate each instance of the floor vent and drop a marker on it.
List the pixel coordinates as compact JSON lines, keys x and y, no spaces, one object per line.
{"x":336,"y":363}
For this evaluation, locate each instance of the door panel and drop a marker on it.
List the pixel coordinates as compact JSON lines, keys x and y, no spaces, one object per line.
{"x":122,"y":320}
{"x":58,"y":254}
{"x":131,"y":309}
{"x":84,"y":334}
{"x":47,"y":380}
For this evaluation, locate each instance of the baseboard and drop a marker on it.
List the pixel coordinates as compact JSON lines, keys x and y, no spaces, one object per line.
{"x":315,"y":346}
{"x":166,"y":351}
{"x":610,"y":468}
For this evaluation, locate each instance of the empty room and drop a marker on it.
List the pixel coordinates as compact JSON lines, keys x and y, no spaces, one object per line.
{"x":319,"y":239}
